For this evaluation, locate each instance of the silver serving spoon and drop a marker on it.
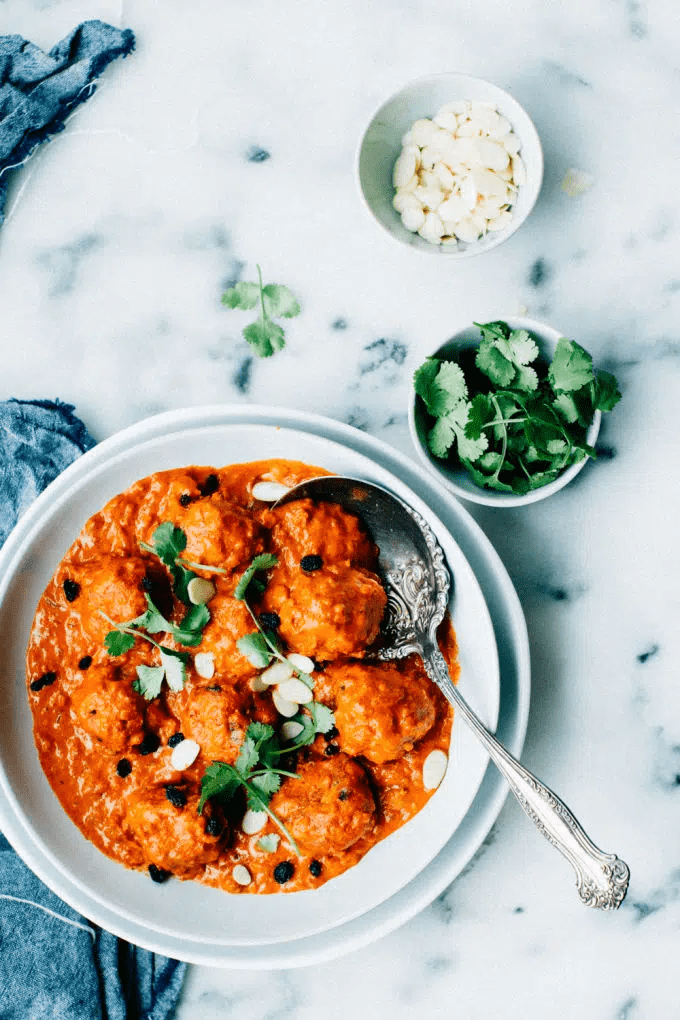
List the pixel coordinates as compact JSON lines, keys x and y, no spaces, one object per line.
{"x":417,"y":583}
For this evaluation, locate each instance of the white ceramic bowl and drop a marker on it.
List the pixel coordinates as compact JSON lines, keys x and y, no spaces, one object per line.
{"x":458,"y":480}
{"x":184,"y":919}
{"x":381,"y":145}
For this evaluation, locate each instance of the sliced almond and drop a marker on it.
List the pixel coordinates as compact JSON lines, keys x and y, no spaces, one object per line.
{"x":423,"y":132}
{"x":253,"y":821}
{"x":405,"y":167}
{"x":432,"y":229}
{"x":301,"y":662}
{"x":200,"y":590}
{"x":269,"y":492}
{"x":519,"y":171}
{"x":204,"y":664}
{"x":276,"y":673}
{"x":184,"y":754}
{"x":467,"y":230}
{"x":241,"y":875}
{"x":295,"y":690}
{"x":290,"y":730}
{"x":434,"y":769}
{"x":283,"y":706}
{"x":413,"y":217}
{"x":491,"y":154}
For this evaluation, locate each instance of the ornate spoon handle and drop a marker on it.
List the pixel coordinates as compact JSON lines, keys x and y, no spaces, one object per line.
{"x":601,"y":879}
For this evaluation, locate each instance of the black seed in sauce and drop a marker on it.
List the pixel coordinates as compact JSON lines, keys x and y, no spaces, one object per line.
{"x":85,"y":662}
{"x":71,"y":590}
{"x":315,"y":868}
{"x":330,"y":750}
{"x":150,"y":744}
{"x":311,"y":562}
{"x":209,"y":485}
{"x":124,"y":767}
{"x":332,"y":734}
{"x":175,"y":739}
{"x":158,"y":874}
{"x":176,"y":795}
{"x":283,"y":872}
{"x":43,"y":681}
{"x":270,"y":621}
{"x":185,"y":499}
{"x":213,"y":827}
{"x":343,"y":795}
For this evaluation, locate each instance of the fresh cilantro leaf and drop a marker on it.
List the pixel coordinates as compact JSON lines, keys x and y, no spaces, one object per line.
{"x":269,"y":842}
{"x":564,"y":404}
{"x":423,"y":381}
{"x":494,"y":330}
{"x":523,"y":349}
{"x":607,"y":394}
{"x":174,"y":663}
{"x":153,"y":620}
{"x":167,"y":542}
{"x":493,"y":363}
{"x":242,"y":295}
{"x":189,"y":631}
{"x":322,"y":716}
{"x":526,"y":378}
{"x":149,"y":681}
{"x":265,"y":561}
{"x":481,"y":413}
{"x":571,"y":367}
{"x":451,"y":388}
{"x":471,"y":449}
{"x":441,"y":437}
{"x":117,"y":642}
{"x":265,"y":785}
{"x":265,"y":337}
{"x":280,"y":302}
{"x":441,"y":385}
{"x":256,"y":650}
{"x":219,"y":780}
{"x":275,"y":301}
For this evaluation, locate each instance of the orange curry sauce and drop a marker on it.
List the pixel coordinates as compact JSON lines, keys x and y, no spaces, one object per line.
{"x":107,"y":751}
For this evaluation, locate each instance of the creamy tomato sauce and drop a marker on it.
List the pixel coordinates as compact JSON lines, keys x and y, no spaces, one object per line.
{"x":107,"y":750}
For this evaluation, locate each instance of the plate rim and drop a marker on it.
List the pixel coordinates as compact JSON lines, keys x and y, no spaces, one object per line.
{"x":403,"y":904}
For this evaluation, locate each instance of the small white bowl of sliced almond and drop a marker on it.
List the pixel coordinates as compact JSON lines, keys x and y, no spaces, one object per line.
{"x":450,"y":165}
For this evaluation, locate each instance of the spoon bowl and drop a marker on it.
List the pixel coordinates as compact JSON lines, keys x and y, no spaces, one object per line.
{"x":418,"y":584}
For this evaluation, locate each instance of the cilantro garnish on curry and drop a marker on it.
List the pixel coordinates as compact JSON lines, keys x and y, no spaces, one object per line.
{"x":204,"y":704}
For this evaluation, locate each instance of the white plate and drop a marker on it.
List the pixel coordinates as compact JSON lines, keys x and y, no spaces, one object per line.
{"x":186,"y":920}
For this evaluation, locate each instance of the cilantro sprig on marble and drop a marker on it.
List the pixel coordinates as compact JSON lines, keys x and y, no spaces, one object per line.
{"x":256,"y":769}
{"x":526,"y":425}
{"x":274,"y":302}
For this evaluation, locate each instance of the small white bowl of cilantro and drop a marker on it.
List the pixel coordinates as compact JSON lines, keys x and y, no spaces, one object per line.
{"x":508,"y":412}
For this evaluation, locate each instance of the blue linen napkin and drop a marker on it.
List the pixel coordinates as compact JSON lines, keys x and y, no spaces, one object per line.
{"x":54,"y":963}
{"x":39,"y":90}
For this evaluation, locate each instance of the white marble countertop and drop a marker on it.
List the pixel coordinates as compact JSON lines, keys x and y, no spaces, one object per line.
{"x":228,"y":138}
